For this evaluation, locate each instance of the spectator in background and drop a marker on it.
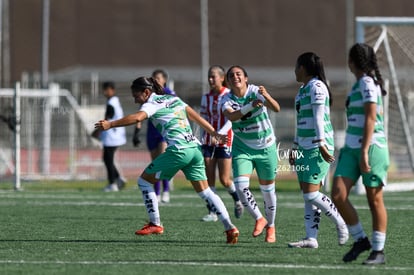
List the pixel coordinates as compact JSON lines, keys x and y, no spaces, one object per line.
{"x":113,"y":138}
{"x":155,"y":141}
{"x":216,"y":154}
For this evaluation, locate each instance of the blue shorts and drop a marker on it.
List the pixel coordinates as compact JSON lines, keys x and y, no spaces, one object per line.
{"x":153,"y":137}
{"x":215,"y":152}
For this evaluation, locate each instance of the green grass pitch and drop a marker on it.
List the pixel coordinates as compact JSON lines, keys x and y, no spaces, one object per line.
{"x":75,"y":228}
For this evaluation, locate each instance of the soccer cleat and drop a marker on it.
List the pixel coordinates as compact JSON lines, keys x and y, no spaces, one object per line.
{"x":376,"y":257}
{"x":357,"y":248}
{"x":270,"y":234}
{"x":211,"y":217}
{"x":343,"y":234}
{"x":232,"y":235}
{"x":111,"y":188}
{"x":149,"y":229}
{"x":259,"y":226}
{"x":121,"y":182}
{"x":305,"y":243}
{"x":165,"y":198}
{"x":238,"y":209}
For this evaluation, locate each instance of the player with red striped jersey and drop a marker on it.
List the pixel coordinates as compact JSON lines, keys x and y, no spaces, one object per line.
{"x":218,"y":154}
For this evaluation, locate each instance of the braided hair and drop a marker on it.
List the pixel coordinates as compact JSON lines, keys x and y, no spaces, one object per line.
{"x":142,"y":83}
{"x":313,"y":66}
{"x":365,"y":59}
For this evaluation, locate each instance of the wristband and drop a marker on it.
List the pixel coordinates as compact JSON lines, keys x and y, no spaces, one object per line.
{"x":246,"y":108}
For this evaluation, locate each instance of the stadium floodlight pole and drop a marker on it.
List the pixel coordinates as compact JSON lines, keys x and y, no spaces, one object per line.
{"x":205,"y":48}
{"x":45,"y":43}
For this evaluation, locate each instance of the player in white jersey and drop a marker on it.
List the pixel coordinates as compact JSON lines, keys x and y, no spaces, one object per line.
{"x":170,"y":116}
{"x":365,"y":154}
{"x":112,"y":139}
{"x":313,"y":148}
{"x":254,"y":146}
{"x":218,"y":154}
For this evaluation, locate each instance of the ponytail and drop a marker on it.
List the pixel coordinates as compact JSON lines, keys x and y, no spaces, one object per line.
{"x":314,"y":67}
{"x":142,"y":83}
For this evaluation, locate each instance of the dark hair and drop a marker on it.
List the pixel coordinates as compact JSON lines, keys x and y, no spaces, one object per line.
{"x":142,"y":83}
{"x":162,"y":72}
{"x":108,"y":84}
{"x":314,"y":67}
{"x":365,"y":59}
{"x":222,"y":73}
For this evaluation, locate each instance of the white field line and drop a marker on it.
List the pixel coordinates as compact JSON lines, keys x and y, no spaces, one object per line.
{"x":213,"y":264}
{"x":136,"y":195}
{"x":195,"y":204}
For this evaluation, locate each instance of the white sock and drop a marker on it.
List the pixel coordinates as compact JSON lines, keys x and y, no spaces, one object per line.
{"x":217,"y":206}
{"x":326,"y":205}
{"x":378,"y":241}
{"x":356,"y":231}
{"x":312,"y":220}
{"x":246,"y":197}
{"x":150,"y":200}
{"x":269,"y":197}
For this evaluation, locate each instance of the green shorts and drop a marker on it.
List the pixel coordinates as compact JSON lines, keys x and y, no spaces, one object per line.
{"x":264,"y":161}
{"x":348,"y":165}
{"x":189,"y":160}
{"x":310,"y":166}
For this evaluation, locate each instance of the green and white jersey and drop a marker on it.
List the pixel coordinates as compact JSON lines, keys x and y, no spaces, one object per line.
{"x":364,"y":90}
{"x":313,"y":93}
{"x":254,"y":130}
{"x":167,"y":113}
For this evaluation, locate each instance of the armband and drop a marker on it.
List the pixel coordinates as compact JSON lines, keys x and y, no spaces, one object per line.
{"x":247,"y":108}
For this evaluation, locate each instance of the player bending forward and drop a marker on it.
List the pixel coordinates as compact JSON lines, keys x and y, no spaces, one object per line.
{"x":170,"y":115}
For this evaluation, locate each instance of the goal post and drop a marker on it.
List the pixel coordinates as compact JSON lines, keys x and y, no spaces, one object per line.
{"x":393,"y":41}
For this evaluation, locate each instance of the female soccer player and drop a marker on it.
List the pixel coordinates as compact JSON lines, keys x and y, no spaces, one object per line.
{"x":313,"y":148}
{"x":365,"y":154}
{"x":170,"y":114}
{"x":254,"y":146}
{"x":218,"y":154}
{"x":155,"y":142}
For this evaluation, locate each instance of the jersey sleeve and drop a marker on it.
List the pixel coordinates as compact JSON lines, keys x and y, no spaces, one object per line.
{"x":203,"y":107}
{"x":226,"y":104}
{"x":318,"y":93}
{"x":368,"y":90}
{"x":149,"y":108}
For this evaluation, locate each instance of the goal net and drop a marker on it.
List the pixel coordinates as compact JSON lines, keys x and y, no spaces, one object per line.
{"x":393,"y":41}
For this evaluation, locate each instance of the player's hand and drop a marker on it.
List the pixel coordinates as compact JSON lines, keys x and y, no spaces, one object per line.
{"x":257,"y":103}
{"x":326,"y":155}
{"x":364,"y":163}
{"x":262,"y":90}
{"x":135,"y":139}
{"x":221,"y":139}
{"x":103,"y":125}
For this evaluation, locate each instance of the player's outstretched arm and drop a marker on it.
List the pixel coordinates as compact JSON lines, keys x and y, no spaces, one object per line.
{"x":125,"y":121}
{"x":194,"y":116}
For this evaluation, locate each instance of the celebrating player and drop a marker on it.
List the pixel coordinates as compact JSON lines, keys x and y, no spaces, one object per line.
{"x":313,"y":148}
{"x":254,"y":146}
{"x":218,"y":154}
{"x":170,"y":114}
{"x":365,"y":154}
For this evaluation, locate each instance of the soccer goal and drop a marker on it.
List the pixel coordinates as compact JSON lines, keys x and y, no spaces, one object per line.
{"x":46,"y":130}
{"x":393,"y":41}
